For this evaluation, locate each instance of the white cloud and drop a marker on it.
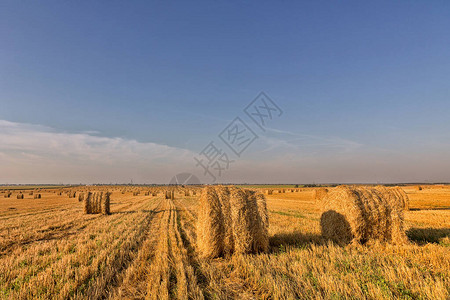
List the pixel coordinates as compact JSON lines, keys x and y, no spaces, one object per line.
{"x":79,"y":157}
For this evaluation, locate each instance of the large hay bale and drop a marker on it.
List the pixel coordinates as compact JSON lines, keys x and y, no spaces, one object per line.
{"x":224,"y":194}
{"x":320,"y":193}
{"x":243,"y":212}
{"x":262,"y":235}
{"x":106,"y":204}
{"x":232,"y":220}
{"x":20,"y":196}
{"x":210,"y":229}
{"x":361,"y":214}
{"x":37,"y":196}
{"x":401,"y":197}
{"x":87,"y":203}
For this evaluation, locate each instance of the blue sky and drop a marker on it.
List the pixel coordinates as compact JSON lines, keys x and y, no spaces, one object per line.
{"x":364,"y":88}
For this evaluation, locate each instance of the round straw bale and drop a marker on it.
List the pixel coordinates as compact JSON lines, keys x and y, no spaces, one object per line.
{"x":244,"y":217}
{"x":210,"y":227}
{"x":223,"y":194}
{"x":401,"y":195}
{"x":262,"y":234}
{"x":87,"y":203}
{"x":320,"y":193}
{"x":106,"y":204}
{"x":360,"y":214}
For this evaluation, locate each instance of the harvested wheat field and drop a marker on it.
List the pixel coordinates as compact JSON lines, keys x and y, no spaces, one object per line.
{"x":147,"y":247}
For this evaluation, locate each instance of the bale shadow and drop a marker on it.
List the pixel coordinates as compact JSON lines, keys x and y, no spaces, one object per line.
{"x":296,"y":239}
{"x":423,"y":236}
{"x":431,"y":208}
{"x":335,"y":227}
{"x":127,"y":212}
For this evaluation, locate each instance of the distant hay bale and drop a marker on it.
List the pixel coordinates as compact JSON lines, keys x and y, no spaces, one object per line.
{"x":8,"y":194}
{"x":81,"y":197}
{"x":136,"y":193}
{"x":154,"y":194}
{"x":419,"y":188}
{"x":97,"y":203}
{"x":186,"y":193}
{"x":20,"y":196}
{"x":37,"y":196}
{"x":231,"y":220}
{"x":98,"y":208}
{"x":361,"y":214}
{"x":31,"y":193}
{"x":170,"y":195}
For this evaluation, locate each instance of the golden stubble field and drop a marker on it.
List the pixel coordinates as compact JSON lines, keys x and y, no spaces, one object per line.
{"x":147,"y":249}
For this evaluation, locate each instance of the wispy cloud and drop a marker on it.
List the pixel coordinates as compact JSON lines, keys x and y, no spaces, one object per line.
{"x":305,"y":143}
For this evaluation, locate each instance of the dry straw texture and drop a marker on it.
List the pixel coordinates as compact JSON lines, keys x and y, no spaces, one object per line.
{"x":97,"y":203}
{"x":402,"y":197}
{"x":210,"y":231}
{"x":231,"y":220}
{"x":170,"y":195}
{"x":81,"y":197}
{"x":106,"y":210}
{"x":361,"y":214}
{"x":320,"y":193}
